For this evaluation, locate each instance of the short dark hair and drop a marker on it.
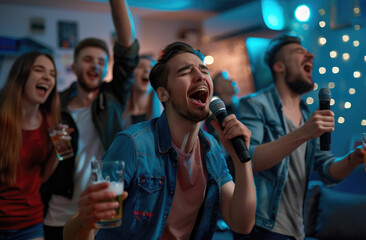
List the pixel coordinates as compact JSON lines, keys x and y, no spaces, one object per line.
{"x":90,"y":42}
{"x":148,"y":57}
{"x":275,"y":45}
{"x":159,"y":73}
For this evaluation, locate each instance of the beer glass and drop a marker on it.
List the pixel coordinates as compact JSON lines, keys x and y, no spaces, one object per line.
{"x":61,"y":141}
{"x":110,"y":171}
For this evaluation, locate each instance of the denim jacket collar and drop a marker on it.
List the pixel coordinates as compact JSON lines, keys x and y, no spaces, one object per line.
{"x":164,"y":138}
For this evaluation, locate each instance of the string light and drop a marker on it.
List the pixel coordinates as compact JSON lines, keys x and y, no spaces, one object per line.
{"x":322,"y":24}
{"x":352,"y":91}
{"x":345,"y":38}
{"x":310,"y":100}
{"x":347,"y":105}
{"x":356,"y":43}
{"x":356,"y":74}
{"x":363,"y":122}
{"x":332,"y":102}
{"x":322,"y":41}
{"x":209,"y":60}
{"x":356,"y":10}
{"x":357,"y":27}
{"x":315,"y":86}
{"x":335,"y":70}
{"x":341,"y":120}
{"x":321,"y":11}
{"x":322,"y":70}
{"x":346,"y":56}
{"x":331,"y":84}
{"x":333,"y":54}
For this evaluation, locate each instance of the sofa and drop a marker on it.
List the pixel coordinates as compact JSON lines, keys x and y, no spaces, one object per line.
{"x":337,"y":212}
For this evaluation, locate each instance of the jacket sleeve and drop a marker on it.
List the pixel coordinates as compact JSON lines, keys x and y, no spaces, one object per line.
{"x":250,"y":115}
{"x":125,"y":61}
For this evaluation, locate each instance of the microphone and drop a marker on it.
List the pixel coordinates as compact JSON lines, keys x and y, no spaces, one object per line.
{"x":324,"y":104}
{"x":217,"y":107}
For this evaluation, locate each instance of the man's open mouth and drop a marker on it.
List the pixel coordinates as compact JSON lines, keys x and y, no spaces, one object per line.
{"x":200,"y":95}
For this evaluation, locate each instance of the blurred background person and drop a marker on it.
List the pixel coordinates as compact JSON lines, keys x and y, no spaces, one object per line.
{"x":93,"y":108}
{"x":29,"y":106}
{"x":143,"y":103}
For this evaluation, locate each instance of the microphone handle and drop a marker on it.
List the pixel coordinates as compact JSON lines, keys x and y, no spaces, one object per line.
{"x":240,"y":149}
{"x":325,"y":138}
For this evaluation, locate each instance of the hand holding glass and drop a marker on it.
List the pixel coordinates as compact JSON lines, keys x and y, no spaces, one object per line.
{"x":112,"y":172}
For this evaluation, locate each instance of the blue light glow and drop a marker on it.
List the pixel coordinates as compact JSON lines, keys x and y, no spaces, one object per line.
{"x":302,"y":13}
{"x":273,"y":14}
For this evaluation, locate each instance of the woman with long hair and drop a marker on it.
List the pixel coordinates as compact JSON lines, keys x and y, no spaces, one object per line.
{"x":143,"y":104}
{"x":29,"y":106}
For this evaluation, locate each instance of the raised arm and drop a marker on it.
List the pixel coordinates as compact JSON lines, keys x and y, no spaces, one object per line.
{"x":123,"y":22}
{"x":238,"y":202}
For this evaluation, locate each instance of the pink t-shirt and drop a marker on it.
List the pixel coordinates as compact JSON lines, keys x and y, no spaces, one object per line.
{"x":189,"y":194}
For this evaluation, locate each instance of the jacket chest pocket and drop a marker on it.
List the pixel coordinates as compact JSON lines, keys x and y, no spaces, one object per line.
{"x":149,"y":192}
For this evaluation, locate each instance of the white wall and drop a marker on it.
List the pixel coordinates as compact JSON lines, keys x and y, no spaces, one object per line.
{"x":153,"y":33}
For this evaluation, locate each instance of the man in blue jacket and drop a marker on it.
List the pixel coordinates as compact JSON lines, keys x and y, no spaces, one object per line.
{"x":285,"y":143}
{"x":175,"y":175}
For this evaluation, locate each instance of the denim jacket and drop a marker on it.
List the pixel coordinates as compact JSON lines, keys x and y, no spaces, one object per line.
{"x":150,"y":180}
{"x":262,"y":113}
{"x":106,"y":110}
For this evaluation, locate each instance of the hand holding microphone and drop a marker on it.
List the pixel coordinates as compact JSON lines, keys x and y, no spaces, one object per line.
{"x":217,"y":107}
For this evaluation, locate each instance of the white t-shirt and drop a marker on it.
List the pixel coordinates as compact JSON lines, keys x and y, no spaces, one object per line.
{"x":89,"y":148}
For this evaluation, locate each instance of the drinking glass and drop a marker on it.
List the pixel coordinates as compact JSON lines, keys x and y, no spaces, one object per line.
{"x":110,"y":171}
{"x":61,"y":141}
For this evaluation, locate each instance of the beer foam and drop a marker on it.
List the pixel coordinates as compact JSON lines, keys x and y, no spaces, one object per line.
{"x":116,"y":187}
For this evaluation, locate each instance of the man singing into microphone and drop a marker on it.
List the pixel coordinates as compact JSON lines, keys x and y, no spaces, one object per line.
{"x":175,"y":175}
{"x":285,"y":142}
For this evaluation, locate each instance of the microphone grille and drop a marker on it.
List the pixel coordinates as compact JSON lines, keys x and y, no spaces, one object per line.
{"x":216,"y":105}
{"x":324,"y":94}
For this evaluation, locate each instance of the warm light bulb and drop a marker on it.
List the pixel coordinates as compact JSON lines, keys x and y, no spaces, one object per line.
{"x":331,"y":84}
{"x":363,"y":122}
{"x":315,"y":86}
{"x":347,"y":105}
{"x":209,"y":60}
{"x":356,"y":43}
{"x":322,"y":41}
{"x":332,"y":102}
{"x":321,"y":11}
{"x":345,"y":38}
{"x":333,"y":54}
{"x":335,"y":70}
{"x":356,"y":74}
{"x":352,"y":91}
{"x":357,"y":27}
{"x":345,"y":56}
{"x":310,"y":100}
{"x":321,"y":24}
{"x":322,"y":70}
{"x":341,"y":120}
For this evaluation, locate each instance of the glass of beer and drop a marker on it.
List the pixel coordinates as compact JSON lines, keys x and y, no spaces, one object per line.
{"x":364,"y":148}
{"x":61,"y":141}
{"x":110,"y":171}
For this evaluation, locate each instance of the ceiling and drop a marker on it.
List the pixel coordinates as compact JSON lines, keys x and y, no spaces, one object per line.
{"x":189,"y":9}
